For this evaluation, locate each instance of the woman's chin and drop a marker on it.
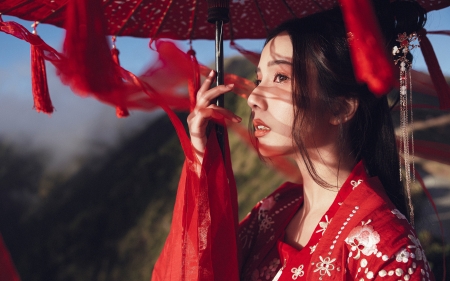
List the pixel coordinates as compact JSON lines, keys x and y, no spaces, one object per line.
{"x":271,"y":151}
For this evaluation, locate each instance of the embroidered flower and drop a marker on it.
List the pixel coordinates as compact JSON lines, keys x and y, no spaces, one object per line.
{"x":419,"y":253}
{"x":395,"y":50}
{"x":323,"y":225}
{"x":402,"y":256}
{"x":325,"y":266}
{"x":312,"y":248}
{"x":267,"y":272}
{"x":363,"y":239}
{"x":398,"y":214}
{"x":298,"y":271}
{"x":265,"y":224}
{"x":267,"y":203}
{"x":355,"y":183}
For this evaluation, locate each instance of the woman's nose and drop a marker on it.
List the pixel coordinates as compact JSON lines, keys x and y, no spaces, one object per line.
{"x":256,"y":99}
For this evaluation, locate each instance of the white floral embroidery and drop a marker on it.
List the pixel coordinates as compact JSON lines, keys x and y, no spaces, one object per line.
{"x":298,"y":271}
{"x":312,"y":248}
{"x":265,"y":224}
{"x":419,"y":253}
{"x":267,"y":204}
{"x":355,"y":183}
{"x":363,"y":239}
{"x":398,"y":214}
{"x":402,"y":256}
{"x":325,"y":266}
{"x":323,"y":225}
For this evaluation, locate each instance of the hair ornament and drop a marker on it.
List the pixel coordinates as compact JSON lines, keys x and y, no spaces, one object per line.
{"x":407,"y":43}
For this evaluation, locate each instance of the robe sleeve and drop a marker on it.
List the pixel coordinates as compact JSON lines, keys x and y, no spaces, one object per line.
{"x":202,"y":244}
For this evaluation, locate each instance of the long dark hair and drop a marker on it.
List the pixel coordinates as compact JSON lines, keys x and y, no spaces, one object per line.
{"x":321,"y":54}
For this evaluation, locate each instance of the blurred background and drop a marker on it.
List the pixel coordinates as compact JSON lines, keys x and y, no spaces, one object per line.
{"x":87,"y":196}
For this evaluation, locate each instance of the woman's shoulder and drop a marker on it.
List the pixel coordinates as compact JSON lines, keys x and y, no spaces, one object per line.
{"x":383,"y":242}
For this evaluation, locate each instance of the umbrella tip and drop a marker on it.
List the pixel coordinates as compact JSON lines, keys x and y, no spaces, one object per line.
{"x":218,"y":11}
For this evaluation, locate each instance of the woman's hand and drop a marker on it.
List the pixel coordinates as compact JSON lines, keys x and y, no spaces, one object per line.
{"x":204,"y":111}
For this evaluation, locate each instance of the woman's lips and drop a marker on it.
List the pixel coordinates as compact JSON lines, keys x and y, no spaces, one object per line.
{"x":261,"y":129}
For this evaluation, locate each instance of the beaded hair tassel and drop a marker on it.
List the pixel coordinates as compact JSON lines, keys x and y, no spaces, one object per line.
{"x":406,"y":112}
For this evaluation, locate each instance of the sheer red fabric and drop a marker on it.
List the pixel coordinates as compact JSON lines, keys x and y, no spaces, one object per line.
{"x":89,"y":65}
{"x":7,"y":270}
{"x":202,"y":243}
{"x":442,"y":88}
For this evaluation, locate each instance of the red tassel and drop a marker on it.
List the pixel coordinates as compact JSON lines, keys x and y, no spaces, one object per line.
{"x":194,"y":80}
{"x":115,"y":55}
{"x":41,"y":96}
{"x":442,"y":88}
{"x":121,"y":111}
{"x":251,"y":56}
{"x":90,"y":68}
{"x":366,"y":46}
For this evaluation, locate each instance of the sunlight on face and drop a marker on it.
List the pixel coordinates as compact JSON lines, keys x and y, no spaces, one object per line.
{"x":271,"y":100}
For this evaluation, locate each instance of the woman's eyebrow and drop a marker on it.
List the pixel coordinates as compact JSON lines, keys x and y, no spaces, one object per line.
{"x":275,"y":62}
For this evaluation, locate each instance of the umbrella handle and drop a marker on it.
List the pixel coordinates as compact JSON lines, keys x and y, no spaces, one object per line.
{"x":218,"y":13}
{"x":220,"y":80}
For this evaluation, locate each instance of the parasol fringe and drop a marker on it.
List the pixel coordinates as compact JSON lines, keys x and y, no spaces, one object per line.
{"x":89,"y":67}
{"x":121,"y":111}
{"x":249,"y":55}
{"x":194,"y":79}
{"x":440,"y":84}
{"x":39,"y":85}
{"x":369,"y":57}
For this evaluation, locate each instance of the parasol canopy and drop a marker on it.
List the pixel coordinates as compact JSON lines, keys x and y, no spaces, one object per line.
{"x":183,"y":19}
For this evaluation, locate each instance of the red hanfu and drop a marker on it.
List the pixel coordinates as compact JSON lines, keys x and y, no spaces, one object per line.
{"x":362,"y":236}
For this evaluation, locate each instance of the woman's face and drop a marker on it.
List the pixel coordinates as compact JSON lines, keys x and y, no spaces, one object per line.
{"x":271,"y":100}
{"x":272,"y":106}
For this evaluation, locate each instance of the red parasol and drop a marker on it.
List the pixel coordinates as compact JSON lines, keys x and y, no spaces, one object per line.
{"x":183,"y":19}
{"x":188,"y":20}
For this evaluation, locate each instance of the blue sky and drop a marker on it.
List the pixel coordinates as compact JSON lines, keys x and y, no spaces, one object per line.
{"x":83,"y":125}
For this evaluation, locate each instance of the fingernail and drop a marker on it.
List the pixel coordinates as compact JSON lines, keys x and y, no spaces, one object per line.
{"x":230,"y":86}
{"x":211,"y":74}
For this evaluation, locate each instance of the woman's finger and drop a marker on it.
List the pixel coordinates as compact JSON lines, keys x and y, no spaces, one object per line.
{"x":204,"y":99}
{"x":207,"y":83}
{"x":205,"y":95}
{"x":199,"y":119}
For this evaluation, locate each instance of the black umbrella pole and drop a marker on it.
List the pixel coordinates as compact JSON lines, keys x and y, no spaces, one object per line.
{"x":218,"y":11}
{"x":220,"y":131}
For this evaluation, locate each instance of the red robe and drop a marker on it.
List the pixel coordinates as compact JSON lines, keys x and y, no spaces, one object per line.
{"x":361,"y":237}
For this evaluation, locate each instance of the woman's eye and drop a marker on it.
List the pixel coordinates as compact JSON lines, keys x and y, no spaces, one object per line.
{"x":280,"y":78}
{"x":257,"y":82}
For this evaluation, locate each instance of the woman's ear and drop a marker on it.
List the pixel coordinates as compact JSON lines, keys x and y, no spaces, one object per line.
{"x":348,"y":108}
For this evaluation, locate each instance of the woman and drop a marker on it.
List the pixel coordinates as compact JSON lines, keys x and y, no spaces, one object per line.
{"x":345,"y":222}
